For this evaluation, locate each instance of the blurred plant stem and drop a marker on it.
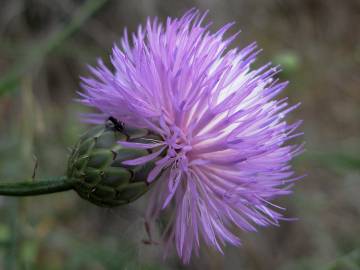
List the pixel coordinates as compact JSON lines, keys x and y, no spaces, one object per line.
{"x":10,"y":262}
{"x":27,"y":118}
{"x":38,"y":52}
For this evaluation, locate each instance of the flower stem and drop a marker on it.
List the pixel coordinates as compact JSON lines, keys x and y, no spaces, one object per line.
{"x":36,"y":187}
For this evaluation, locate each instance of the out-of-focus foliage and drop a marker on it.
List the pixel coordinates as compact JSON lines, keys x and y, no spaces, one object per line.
{"x":348,"y":262}
{"x":45,"y":46}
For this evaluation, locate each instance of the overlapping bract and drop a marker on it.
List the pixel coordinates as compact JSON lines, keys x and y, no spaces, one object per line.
{"x":224,"y":153}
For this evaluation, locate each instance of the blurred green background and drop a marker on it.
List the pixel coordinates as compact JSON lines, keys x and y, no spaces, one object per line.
{"x":44,"y":47}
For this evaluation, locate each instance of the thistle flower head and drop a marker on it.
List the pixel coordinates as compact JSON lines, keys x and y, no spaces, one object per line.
{"x":223,"y":153}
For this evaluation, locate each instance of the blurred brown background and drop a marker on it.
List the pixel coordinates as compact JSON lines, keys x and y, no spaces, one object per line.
{"x":45,"y":46}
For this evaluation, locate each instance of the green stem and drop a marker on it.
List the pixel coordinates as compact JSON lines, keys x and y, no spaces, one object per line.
{"x":36,"y":187}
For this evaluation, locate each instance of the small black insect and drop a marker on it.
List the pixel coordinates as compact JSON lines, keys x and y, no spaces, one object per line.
{"x":119,"y":126}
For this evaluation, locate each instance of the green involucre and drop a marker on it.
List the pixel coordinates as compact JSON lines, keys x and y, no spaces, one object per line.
{"x":96,"y":167}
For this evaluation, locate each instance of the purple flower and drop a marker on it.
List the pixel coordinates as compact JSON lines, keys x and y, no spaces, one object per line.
{"x":224,"y":154}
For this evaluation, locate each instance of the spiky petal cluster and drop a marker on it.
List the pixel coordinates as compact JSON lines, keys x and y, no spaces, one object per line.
{"x":223,"y":154}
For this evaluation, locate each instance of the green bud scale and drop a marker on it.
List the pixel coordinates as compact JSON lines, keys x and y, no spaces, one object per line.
{"x":96,"y":167}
